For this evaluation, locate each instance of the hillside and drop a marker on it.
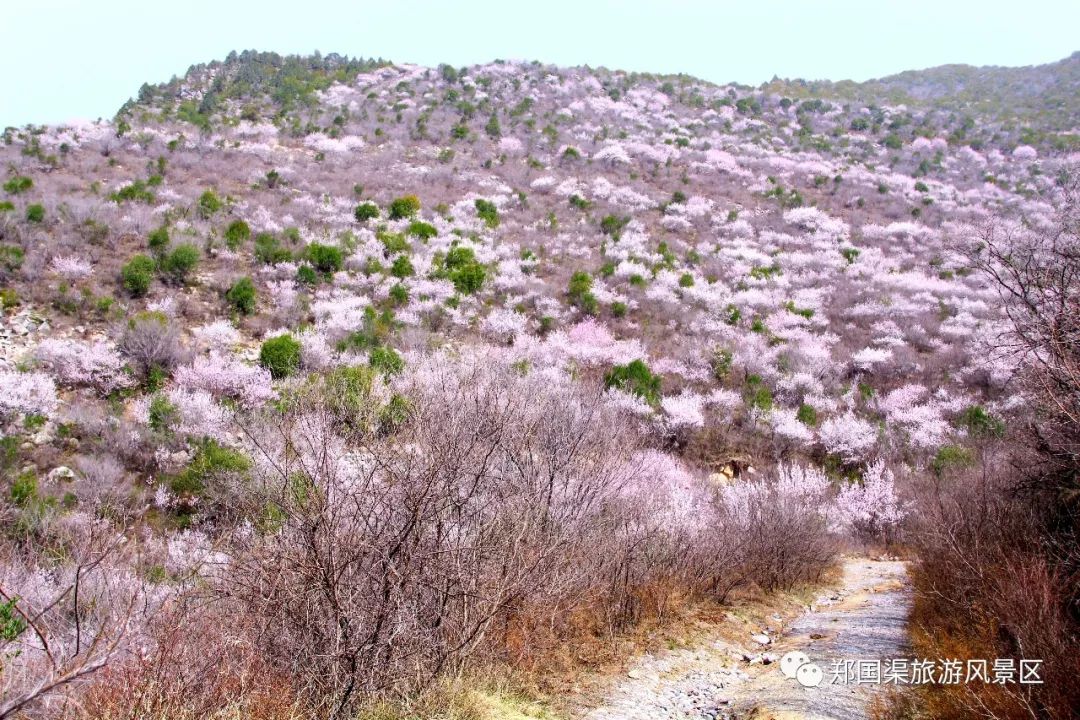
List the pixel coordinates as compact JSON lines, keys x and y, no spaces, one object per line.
{"x":1035,"y":104}
{"x":353,"y":375}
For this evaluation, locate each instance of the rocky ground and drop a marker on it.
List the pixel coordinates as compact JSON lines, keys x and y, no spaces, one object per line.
{"x":863,"y":619}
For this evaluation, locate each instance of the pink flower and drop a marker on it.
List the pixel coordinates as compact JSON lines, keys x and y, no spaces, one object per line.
{"x":786,"y":425}
{"x":70,"y":267}
{"x":684,"y":410}
{"x":225,"y":377}
{"x":867,"y":358}
{"x":32,"y":393}
{"x":1025,"y":152}
{"x":73,"y":362}
{"x":873,"y":506}
{"x":218,"y":335}
{"x":613,"y":154}
{"x":503,"y":325}
{"x":591,"y":343}
{"x":848,"y":436}
{"x":199,"y":415}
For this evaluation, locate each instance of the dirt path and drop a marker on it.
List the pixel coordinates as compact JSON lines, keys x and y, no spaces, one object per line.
{"x":863,"y":620}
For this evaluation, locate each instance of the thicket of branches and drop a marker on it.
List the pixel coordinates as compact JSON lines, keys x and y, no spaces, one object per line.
{"x":384,"y":536}
{"x":999,"y":558}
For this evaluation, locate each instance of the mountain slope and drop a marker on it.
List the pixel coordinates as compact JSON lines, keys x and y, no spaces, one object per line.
{"x":1045,"y":99}
{"x":349,"y":376}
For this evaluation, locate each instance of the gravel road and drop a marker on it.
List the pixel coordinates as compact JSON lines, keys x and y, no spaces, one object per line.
{"x":864,"y":619}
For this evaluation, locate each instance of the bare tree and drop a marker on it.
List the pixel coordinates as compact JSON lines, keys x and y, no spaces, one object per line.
{"x":1038,"y":278}
{"x":392,"y":553}
{"x":59,"y":627}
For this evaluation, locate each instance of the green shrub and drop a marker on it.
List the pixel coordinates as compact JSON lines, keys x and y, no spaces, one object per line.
{"x":34,"y":421}
{"x":580,"y":292}
{"x":801,"y":312}
{"x":612,"y":225}
{"x":180,"y":263}
{"x":492,"y":127}
{"x":950,"y":456}
{"x":850,"y":254}
{"x":618,"y":309}
{"x":327,"y":259}
{"x":163,"y":414}
{"x":9,"y":298}
{"x":394,"y":413}
{"x":580,"y":283}
{"x":306,"y":274}
{"x":366,"y":211}
{"x":464,"y":270}
{"x":18,"y":184}
{"x":399,"y":294}
{"x":242,"y":296}
{"x":372,"y":266}
{"x":135,"y":191}
{"x":237,"y":234}
{"x":468,"y":279}
{"x":686,"y":280}
{"x":807,"y":415}
{"x":158,"y":240}
{"x":137,"y":275}
{"x":404,"y":207}
{"x":376,"y":329}
{"x":268,"y":250}
{"x":635,"y":378}
{"x":459,"y":256}
{"x":486,"y":211}
{"x":758,"y":394}
{"x":24,"y":488}
{"x":386,"y":361}
{"x":35,"y":213}
{"x":212,"y":463}
{"x":422,"y":230}
{"x":981,"y":423}
{"x":402,"y":267}
{"x":11,"y":257}
{"x":765,"y":272}
{"x":866,"y":391}
{"x":348,"y":393}
{"x":720,"y":362}
{"x":579,"y":203}
{"x":12,"y":623}
{"x":280,"y":355}
{"x":208,"y":204}
{"x":393,"y":243}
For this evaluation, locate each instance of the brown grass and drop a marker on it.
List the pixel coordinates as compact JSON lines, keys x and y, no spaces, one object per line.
{"x":987,"y":587}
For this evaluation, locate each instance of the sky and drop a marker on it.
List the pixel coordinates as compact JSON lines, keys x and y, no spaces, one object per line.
{"x":66,"y":60}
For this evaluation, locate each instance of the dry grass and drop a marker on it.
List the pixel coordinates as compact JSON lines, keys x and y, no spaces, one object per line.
{"x":987,"y":586}
{"x":577,"y":674}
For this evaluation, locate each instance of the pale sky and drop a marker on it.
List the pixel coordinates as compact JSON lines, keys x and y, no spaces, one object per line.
{"x":81,"y":59}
